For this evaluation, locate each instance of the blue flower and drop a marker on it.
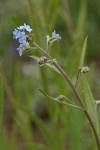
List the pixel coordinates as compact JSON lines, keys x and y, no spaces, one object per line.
{"x":21,"y":48}
{"x":25,"y":27}
{"x":20,"y":27}
{"x":16,"y":34}
{"x":22,"y":38}
{"x":56,"y":36}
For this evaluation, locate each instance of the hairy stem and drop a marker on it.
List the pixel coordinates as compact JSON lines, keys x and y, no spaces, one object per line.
{"x":80,"y":102}
{"x":66,"y":77}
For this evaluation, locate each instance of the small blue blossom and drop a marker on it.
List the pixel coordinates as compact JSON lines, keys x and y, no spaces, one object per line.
{"x":20,"y":27}
{"x":56,"y":36}
{"x":21,"y":47}
{"x":16,"y":34}
{"x":25,"y":27}
{"x":22,"y":38}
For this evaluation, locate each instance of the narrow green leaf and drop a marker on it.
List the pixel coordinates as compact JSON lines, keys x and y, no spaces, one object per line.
{"x":45,"y":132}
{"x":86,"y":91}
{"x":89,"y":100}
{"x":1,"y":100}
{"x":76,"y":124}
{"x":51,"y":66}
{"x":53,"y":5}
{"x":26,"y":133}
{"x":81,"y":21}
{"x":83,"y":53}
{"x":59,"y":101}
{"x":17,"y":22}
{"x":34,"y":57}
{"x":4,"y":145}
{"x":97,"y":102}
{"x":17,"y":85}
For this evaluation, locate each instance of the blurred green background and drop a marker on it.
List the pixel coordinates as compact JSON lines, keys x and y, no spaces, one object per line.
{"x":30,"y":120}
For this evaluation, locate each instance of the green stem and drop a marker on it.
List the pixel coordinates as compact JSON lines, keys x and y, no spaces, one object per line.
{"x":44,"y":80}
{"x":80,"y":102}
{"x":68,"y":80}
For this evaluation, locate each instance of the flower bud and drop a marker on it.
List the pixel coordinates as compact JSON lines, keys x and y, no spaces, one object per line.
{"x":42,"y":60}
{"x":29,"y":37}
{"x":61,"y":97}
{"x":48,"y":38}
{"x":85,"y":69}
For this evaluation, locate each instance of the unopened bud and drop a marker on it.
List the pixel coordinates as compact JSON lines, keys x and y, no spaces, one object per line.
{"x":48,"y":38}
{"x":85,"y":69}
{"x":42,"y":60}
{"x":61,"y":97}
{"x":29,"y":37}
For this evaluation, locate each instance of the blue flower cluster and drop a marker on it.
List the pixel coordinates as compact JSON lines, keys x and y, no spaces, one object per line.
{"x":22,"y":35}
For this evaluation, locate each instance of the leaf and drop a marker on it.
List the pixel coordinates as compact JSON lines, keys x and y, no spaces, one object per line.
{"x":76,"y":124}
{"x":81,"y":21}
{"x":34,"y":57}
{"x":1,"y":100}
{"x":82,"y":57}
{"x":26,"y":133}
{"x":59,"y":101}
{"x":48,"y":63}
{"x":47,"y":134}
{"x":16,"y":21}
{"x":97,"y":102}
{"x":89,"y":100}
{"x":83,"y":53}
{"x":51,"y":66}
{"x":55,"y":6}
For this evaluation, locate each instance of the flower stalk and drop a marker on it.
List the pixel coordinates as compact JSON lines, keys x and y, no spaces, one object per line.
{"x":68,"y":80}
{"x":22,"y":34}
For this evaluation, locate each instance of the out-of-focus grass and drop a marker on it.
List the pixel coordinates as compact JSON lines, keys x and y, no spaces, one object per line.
{"x":61,"y":127}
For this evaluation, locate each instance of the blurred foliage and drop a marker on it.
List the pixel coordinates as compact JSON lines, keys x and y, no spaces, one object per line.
{"x":30,"y":120}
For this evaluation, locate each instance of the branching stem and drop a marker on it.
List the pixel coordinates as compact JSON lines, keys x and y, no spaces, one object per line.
{"x":66,"y":77}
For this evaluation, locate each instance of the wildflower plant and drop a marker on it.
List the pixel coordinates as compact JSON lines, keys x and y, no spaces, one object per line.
{"x":24,"y":36}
